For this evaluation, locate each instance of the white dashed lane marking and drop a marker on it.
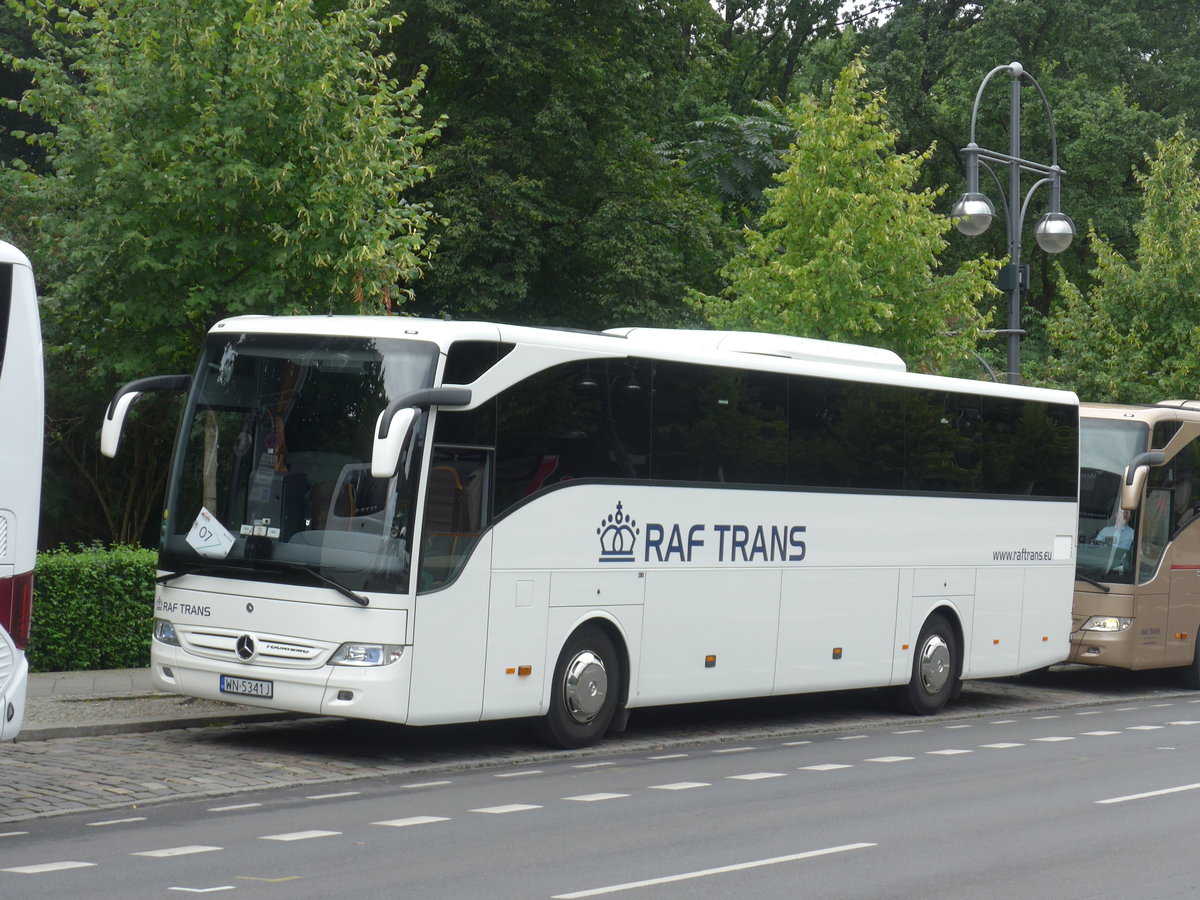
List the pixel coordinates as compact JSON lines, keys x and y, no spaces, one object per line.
{"x":412,"y":820}
{"x":826,"y":767}
{"x":48,"y":867}
{"x":679,"y":786}
{"x":298,"y":835}
{"x":501,"y":810}
{"x":755,"y":776}
{"x":167,"y":852}
{"x":888,"y":759}
{"x":946,"y":752}
{"x":1002,"y":746}
{"x":117,"y":821}
{"x":592,"y":798}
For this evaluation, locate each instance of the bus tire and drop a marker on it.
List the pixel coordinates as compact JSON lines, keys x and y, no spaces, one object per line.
{"x":1190,"y":675}
{"x":584,"y":694}
{"x":935,"y":669}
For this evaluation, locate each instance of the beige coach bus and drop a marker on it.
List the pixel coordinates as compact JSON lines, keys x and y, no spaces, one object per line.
{"x":1137,"y":594}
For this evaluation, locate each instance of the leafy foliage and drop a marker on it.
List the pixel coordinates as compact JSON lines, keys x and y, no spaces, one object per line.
{"x":558,"y":208}
{"x":846,"y":249}
{"x":1134,"y":335}
{"x":93,"y":609}
{"x":247,"y":156}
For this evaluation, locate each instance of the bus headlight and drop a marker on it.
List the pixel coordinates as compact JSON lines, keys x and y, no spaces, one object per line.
{"x":366,"y":655}
{"x":164,"y":631}
{"x":1107,"y":623}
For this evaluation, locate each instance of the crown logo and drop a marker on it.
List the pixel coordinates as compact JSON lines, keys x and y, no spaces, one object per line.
{"x":618,"y":535}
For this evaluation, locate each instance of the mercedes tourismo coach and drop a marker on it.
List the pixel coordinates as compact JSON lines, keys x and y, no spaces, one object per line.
{"x":21,"y":412}
{"x":1137,"y":598}
{"x":431,"y":522}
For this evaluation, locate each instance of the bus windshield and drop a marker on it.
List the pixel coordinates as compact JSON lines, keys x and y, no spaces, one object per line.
{"x":272,"y":473}
{"x":1107,"y":534}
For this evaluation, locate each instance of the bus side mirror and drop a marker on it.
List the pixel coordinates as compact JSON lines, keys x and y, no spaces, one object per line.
{"x":391,"y":431}
{"x":114,"y":416}
{"x":394,"y":423}
{"x":1135,"y":477}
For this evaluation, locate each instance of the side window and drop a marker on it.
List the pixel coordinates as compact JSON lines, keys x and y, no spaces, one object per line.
{"x":721,"y":425}
{"x":944,"y":446}
{"x":1181,"y":478}
{"x":845,"y":434}
{"x":577,"y":420}
{"x":456,"y":511}
{"x":1030,"y":448}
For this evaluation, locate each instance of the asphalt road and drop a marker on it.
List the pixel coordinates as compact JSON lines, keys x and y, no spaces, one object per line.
{"x":1094,"y":800}
{"x":121,"y":771}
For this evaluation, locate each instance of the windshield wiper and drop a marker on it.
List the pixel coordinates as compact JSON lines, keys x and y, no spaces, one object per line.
{"x":218,"y":568}
{"x":1079,"y":576}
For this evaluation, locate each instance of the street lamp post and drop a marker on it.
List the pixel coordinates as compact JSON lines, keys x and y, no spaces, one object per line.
{"x":1054,"y":230}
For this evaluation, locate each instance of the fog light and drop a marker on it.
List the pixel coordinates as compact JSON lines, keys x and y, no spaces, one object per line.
{"x":165,"y":631}
{"x":366,"y":655}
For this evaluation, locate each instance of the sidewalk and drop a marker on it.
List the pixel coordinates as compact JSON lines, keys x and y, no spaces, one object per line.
{"x":119,"y":701}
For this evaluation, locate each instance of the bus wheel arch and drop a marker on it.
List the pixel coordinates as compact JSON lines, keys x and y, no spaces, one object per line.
{"x":588,"y":687}
{"x":936,"y":673}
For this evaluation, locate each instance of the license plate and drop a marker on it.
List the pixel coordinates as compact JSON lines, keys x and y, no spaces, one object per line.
{"x":247,"y":687}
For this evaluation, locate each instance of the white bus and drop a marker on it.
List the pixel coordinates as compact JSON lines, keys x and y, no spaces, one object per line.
{"x":22,"y":414}
{"x":431,"y":522}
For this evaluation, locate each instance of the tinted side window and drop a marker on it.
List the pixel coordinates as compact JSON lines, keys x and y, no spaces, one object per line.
{"x":1181,"y":477}
{"x":845,"y":434}
{"x":1163,"y":432}
{"x":719,"y":425}
{"x":944,"y":442}
{"x":1030,"y":448}
{"x":577,"y":420}
{"x":467,"y":360}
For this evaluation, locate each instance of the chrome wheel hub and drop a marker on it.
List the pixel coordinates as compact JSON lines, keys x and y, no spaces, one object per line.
{"x":934,"y":664}
{"x":585,"y":686}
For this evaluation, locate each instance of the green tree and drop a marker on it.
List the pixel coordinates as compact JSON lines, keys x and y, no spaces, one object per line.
{"x":234,"y":156}
{"x":189,"y":163}
{"x":846,"y":249}
{"x":559,"y":207}
{"x":1134,"y":334}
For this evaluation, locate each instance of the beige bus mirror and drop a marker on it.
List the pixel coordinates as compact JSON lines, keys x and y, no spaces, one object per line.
{"x":391,"y":431}
{"x":1135,"y":477}
{"x":114,"y":416}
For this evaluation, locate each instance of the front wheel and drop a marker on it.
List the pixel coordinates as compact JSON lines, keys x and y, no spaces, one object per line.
{"x":583,"y":696}
{"x":1190,"y":675}
{"x":935,"y":669}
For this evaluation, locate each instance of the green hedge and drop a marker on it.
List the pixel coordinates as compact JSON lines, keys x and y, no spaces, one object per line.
{"x":92,"y":609}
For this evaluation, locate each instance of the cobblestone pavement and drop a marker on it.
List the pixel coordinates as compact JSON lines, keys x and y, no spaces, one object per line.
{"x":54,"y":775}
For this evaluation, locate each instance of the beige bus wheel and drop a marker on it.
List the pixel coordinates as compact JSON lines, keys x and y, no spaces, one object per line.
{"x":1190,"y":675}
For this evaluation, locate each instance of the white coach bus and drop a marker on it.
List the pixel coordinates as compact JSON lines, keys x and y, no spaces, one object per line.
{"x":21,"y":412}
{"x":431,"y":522}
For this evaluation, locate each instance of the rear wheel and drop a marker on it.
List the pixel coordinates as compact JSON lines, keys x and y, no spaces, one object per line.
{"x":583,"y":696}
{"x":935,"y":669}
